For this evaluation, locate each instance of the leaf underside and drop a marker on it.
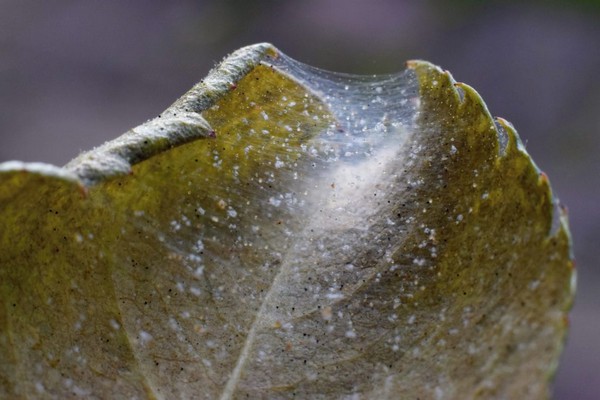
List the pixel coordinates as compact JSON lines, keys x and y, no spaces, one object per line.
{"x":285,"y":232}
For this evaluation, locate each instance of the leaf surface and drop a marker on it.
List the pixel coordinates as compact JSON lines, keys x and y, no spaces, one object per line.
{"x":280,"y":232}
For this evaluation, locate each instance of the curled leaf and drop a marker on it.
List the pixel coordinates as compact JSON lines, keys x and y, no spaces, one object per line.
{"x":280,"y":232}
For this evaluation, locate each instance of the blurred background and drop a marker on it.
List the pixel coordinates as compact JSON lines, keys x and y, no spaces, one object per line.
{"x":74,"y":74}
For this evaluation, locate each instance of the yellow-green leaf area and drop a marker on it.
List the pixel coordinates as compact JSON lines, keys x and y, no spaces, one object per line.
{"x":57,"y":296}
{"x":285,"y":232}
{"x":192,"y":256}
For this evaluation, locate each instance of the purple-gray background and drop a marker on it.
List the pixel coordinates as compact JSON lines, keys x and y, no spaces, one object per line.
{"x":74,"y":74}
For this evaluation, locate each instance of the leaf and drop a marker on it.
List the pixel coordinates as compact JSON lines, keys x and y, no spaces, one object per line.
{"x":282,"y":232}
